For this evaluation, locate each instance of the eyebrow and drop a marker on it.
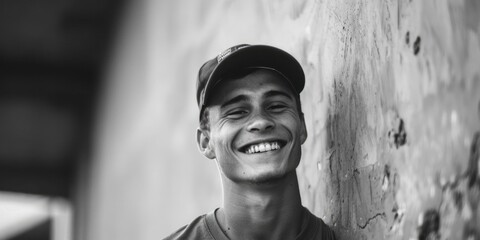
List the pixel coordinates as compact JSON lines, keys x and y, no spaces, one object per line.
{"x":244,"y":98}
{"x":239,"y":98}
{"x":273,"y":93}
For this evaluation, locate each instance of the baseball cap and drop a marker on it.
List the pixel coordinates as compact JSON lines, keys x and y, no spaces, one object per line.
{"x":245,"y":56}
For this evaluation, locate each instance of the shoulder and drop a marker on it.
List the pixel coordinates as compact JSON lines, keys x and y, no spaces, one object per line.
{"x":323,"y":231}
{"x":197,"y":229}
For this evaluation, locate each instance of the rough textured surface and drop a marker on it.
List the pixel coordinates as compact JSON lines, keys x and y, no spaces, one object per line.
{"x":391,"y":104}
{"x":400,"y":116}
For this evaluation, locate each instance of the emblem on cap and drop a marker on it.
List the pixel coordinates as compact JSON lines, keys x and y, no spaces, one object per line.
{"x":223,"y":54}
{"x":229,"y":51}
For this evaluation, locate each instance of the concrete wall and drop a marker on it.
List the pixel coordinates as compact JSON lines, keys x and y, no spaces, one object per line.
{"x":391,"y":104}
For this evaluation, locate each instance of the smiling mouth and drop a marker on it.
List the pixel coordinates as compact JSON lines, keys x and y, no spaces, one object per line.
{"x":263,"y":147}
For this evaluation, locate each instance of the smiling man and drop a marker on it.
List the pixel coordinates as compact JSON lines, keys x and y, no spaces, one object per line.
{"x":251,"y":123}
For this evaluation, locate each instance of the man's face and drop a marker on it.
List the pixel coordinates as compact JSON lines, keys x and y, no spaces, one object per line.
{"x":256,"y":131}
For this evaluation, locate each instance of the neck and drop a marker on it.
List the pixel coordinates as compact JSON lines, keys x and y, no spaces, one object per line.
{"x":270,"y":210}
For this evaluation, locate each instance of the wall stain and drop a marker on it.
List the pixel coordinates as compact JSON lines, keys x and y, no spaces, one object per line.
{"x":398,"y":136}
{"x":472,"y":170}
{"x":429,"y":225}
{"x":416,"y":45}
{"x":397,"y":216}
{"x":386,"y":177}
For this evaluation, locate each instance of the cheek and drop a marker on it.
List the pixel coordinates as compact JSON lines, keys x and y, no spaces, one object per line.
{"x":293,"y":123}
{"x":223,"y":139}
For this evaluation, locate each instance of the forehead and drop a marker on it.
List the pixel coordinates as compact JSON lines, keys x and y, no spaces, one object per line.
{"x":257,"y":82}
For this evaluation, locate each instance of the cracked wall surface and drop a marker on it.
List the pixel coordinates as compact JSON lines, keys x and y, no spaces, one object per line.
{"x":400,"y":85}
{"x":391,"y":104}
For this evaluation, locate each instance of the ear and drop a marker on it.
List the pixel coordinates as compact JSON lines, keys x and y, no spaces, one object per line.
{"x":303,"y":130}
{"x":203,"y":142}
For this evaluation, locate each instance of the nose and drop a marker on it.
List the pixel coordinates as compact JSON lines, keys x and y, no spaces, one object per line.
{"x":260,"y":123}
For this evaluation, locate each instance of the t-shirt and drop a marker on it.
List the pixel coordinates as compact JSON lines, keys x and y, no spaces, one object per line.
{"x":206,"y":227}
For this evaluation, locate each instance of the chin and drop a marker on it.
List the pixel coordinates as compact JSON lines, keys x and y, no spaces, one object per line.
{"x":273,"y":173}
{"x":270,"y":177}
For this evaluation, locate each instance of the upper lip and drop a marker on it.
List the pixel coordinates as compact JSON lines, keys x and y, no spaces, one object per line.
{"x":266,"y":140}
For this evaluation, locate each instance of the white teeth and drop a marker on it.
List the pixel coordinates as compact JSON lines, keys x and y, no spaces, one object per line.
{"x":268,"y":147}
{"x":263,"y":147}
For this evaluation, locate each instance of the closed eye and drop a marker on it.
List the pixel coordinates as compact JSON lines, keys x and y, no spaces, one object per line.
{"x":235,"y":114}
{"x":277,"y":107}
